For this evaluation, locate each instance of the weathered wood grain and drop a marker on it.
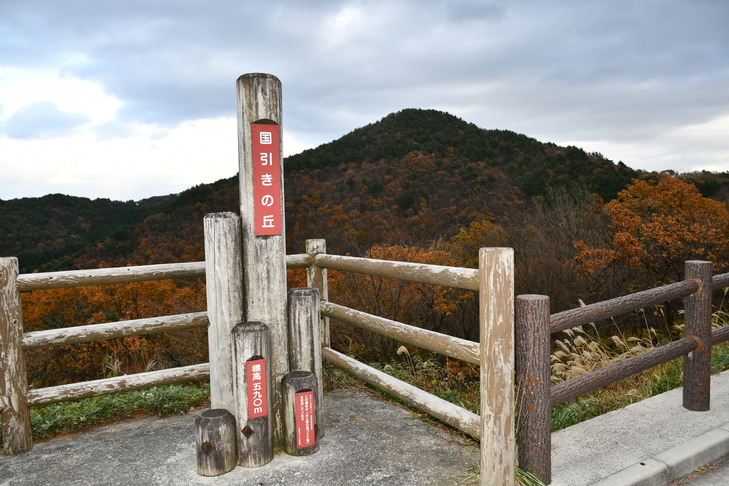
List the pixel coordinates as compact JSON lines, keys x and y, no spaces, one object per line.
{"x":453,"y":347}
{"x":453,"y":415}
{"x":496,"y":297}
{"x":620,"y":305}
{"x":318,"y":278}
{"x":254,"y":436}
{"x":215,"y":442}
{"x":293,"y":383}
{"x":305,"y":336}
{"x":224,"y":287}
{"x":533,"y":382}
{"x":108,"y":276}
{"x":264,"y":257}
{"x":17,"y":435}
{"x":107,"y":386}
{"x":697,"y":323}
{"x":454,"y":277}
{"x":111,"y":330}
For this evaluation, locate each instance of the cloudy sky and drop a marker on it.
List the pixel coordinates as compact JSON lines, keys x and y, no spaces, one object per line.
{"x":135,"y":98}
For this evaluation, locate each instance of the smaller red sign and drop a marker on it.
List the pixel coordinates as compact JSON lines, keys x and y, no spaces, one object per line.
{"x":266,"y":151}
{"x":305,"y":420}
{"x":257,"y":392}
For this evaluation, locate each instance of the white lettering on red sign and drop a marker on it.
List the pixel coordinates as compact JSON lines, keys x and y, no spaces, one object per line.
{"x":266,"y":179}
{"x":305,"y":420}
{"x":257,"y":392}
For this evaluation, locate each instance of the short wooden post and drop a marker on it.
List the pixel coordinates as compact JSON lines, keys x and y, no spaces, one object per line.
{"x":301,"y":413}
{"x":215,"y":441}
{"x":224,"y":284}
{"x":305,"y":337}
{"x":533,"y":382}
{"x":317,"y":278}
{"x":262,"y":221}
{"x":496,"y":298}
{"x":254,"y":434}
{"x":17,"y":433}
{"x":697,"y":323}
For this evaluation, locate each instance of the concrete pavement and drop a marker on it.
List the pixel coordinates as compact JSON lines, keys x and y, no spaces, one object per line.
{"x":372,"y":442}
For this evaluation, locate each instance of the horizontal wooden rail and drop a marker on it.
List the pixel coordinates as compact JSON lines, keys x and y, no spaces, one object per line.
{"x":107,"y":386}
{"x":720,"y":281}
{"x":107,"y":276}
{"x":594,"y":380}
{"x":453,"y":415}
{"x":432,"y":341}
{"x":111,"y":330}
{"x":302,"y":260}
{"x":142,"y":273}
{"x":620,"y":305}
{"x":454,"y":277}
{"x":720,"y":335}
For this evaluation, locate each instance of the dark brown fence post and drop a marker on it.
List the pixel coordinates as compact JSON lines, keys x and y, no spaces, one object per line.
{"x":305,"y":337}
{"x":697,"y":323}
{"x":301,"y":413}
{"x":533,"y":380}
{"x":215,"y":441}
{"x":252,"y":352}
{"x":17,"y":434}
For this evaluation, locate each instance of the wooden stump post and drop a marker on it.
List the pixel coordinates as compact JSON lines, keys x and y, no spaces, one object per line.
{"x":496,"y":297}
{"x":224,"y":284}
{"x":697,"y":323}
{"x":533,"y":384}
{"x":17,"y":434}
{"x":215,"y":441}
{"x":254,"y":433}
{"x":301,"y":413}
{"x":305,"y":337}
{"x":262,"y":221}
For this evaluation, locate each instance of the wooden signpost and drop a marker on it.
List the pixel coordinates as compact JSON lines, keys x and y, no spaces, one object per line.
{"x":262,"y":223}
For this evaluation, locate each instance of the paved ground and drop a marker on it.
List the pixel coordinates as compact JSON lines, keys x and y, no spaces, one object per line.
{"x":368,"y":442}
{"x":372,"y":442}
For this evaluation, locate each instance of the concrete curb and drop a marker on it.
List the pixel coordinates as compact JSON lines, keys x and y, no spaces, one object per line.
{"x":675,"y":463}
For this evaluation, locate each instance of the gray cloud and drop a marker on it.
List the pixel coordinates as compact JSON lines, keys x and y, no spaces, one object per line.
{"x":42,"y":119}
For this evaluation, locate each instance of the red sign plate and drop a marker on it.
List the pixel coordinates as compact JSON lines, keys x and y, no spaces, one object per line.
{"x":266,"y":179}
{"x":305,"y":420}
{"x":257,"y":392}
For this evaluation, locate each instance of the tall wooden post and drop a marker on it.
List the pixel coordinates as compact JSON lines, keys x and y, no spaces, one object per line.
{"x":317,"y":278}
{"x":17,"y":434}
{"x":496,"y":302}
{"x":533,"y":382}
{"x":224,"y":284}
{"x":697,"y":323}
{"x":262,"y":221}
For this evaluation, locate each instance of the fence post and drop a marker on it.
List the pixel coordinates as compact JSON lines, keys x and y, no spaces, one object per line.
{"x":215,"y":442}
{"x":224,"y":284}
{"x":533,"y":382}
{"x":17,"y":433}
{"x":697,"y":323}
{"x":253,"y":393}
{"x":305,"y":338}
{"x":262,"y":221}
{"x":317,"y":278}
{"x":496,"y":315}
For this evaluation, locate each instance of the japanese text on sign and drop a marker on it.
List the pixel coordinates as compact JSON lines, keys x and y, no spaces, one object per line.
{"x":305,"y":420}
{"x":266,"y":179}
{"x":257,"y":392}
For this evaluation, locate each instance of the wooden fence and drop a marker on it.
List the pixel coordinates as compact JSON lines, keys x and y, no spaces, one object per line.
{"x":514,"y":335}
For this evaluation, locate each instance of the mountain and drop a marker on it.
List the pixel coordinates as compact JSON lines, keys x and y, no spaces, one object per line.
{"x":414,"y":177}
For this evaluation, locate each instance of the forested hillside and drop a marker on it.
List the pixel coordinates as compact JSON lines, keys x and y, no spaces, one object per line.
{"x":418,"y":185}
